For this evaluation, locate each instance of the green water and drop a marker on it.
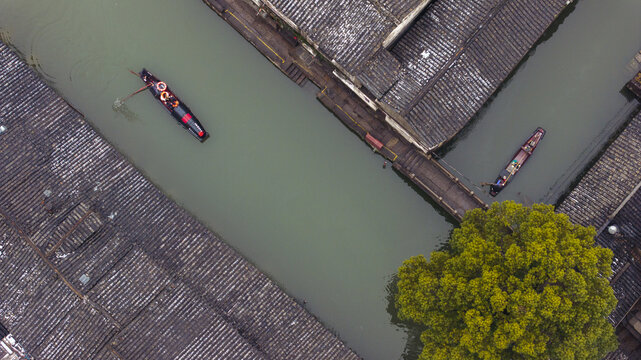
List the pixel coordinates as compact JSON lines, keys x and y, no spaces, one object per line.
{"x":571,"y":86}
{"x":284,"y":182}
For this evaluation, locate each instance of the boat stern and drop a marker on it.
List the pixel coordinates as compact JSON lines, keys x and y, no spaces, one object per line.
{"x":197,"y":130}
{"x":495,"y":189}
{"x":202,"y":136}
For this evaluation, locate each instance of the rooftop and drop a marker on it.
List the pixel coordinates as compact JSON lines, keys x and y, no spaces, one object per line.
{"x":435,"y":76}
{"x":96,"y":262}
{"x":609,"y":182}
{"x":608,"y":195}
{"x":347,"y":31}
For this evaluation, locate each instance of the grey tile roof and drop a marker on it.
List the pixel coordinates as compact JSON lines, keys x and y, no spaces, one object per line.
{"x":96,"y":261}
{"x":122,"y":298}
{"x":106,"y":354}
{"x":91,"y":331}
{"x":177,"y":325}
{"x":443,"y":69}
{"x":348,"y":31}
{"x":609,"y":181}
{"x":626,"y":265}
{"x":397,"y":9}
{"x":607,"y":195}
{"x":380,"y":72}
{"x":457,"y":54}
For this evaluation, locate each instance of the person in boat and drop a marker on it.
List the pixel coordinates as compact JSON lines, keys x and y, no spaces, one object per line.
{"x":169,"y":99}
{"x":164,"y":96}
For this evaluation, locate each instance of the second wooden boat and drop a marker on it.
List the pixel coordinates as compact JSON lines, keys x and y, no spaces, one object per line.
{"x":517,"y":161}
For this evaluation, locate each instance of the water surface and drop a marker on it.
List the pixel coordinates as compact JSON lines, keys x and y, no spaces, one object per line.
{"x":571,"y":86}
{"x":284,"y":182}
{"x":280,"y":178}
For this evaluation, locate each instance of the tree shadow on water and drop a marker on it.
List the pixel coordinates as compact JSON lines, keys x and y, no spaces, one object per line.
{"x":413,"y":347}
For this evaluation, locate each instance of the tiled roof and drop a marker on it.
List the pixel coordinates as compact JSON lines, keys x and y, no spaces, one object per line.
{"x":443,"y":69}
{"x":607,"y":195}
{"x":626,"y":246}
{"x":609,"y":181}
{"x":348,"y":31}
{"x":616,"y":355}
{"x":95,"y":262}
{"x":398,"y":9}
{"x":380,"y":72}
{"x":431,"y":43}
{"x":457,"y":54}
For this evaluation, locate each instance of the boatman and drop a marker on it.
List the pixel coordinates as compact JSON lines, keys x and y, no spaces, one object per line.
{"x":169,"y":99}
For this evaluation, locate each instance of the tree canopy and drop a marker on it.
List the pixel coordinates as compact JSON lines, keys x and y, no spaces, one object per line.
{"x":515,"y":283}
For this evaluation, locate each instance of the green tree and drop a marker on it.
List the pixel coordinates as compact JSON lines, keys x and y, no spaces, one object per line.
{"x":516,"y":283}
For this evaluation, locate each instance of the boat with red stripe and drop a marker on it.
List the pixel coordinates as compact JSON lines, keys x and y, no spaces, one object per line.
{"x":174,"y":105}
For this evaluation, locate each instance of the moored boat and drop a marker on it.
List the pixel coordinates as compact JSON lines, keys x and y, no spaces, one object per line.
{"x":519,"y":158}
{"x":174,"y":105}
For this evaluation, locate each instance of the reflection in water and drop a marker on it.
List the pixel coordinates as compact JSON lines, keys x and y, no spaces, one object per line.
{"x":413,"y":346}
{"x":122,"y":109}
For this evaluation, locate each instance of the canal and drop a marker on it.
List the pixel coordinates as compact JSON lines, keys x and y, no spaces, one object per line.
{"x":284,"y":182}
{"x":280,"y":179}
{"x":571,"y":86}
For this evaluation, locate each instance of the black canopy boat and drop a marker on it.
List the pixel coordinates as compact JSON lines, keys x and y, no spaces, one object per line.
{"x":517,"y":161}
{"x":172,"y":103}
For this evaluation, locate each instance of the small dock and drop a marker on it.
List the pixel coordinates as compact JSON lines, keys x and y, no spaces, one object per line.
{"x":297,"y":62}
{"x":445,"y":189}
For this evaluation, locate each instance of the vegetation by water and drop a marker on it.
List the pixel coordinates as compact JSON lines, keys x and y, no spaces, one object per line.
{"x":515,"y":283}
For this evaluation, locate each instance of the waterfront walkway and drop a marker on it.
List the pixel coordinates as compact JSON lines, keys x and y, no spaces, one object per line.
{"x":97,"y":263}
{"x":290,"y":56}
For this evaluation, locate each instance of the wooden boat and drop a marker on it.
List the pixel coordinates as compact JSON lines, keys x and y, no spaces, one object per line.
{"x":517,"y":161}
{"x":174,"y":105}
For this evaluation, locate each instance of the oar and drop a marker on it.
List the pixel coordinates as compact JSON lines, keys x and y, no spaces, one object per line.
{"x":133,"y":72}
{"x":136,"y":92}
